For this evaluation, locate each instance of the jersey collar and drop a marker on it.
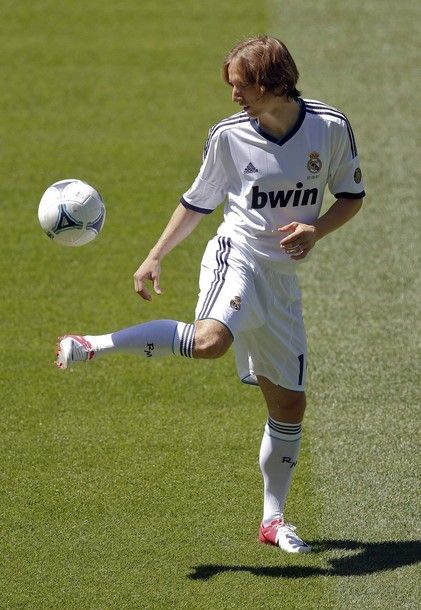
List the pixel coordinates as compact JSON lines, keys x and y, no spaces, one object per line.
{"x":280,"y":141}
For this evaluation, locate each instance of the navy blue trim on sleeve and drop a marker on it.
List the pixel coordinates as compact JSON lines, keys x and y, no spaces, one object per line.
{"x":189,"y":206}
{"x":350,"y":195}
{"x":319,"y":108}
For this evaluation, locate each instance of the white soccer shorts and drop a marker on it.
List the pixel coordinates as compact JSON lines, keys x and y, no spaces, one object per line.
{"x":261,"y":306}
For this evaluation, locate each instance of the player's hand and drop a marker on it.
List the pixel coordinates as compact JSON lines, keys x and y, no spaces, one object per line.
{"x":300,"y":241}
{"x":150,"y":270}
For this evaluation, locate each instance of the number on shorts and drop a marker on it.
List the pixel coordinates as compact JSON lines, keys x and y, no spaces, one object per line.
{"x":300,"y":376}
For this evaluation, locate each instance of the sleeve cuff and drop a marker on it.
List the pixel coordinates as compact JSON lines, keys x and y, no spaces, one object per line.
{"x":189,"y":206}
{"x":350,"y":195}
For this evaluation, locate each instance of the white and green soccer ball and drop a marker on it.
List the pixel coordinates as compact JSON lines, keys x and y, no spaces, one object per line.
{"x":71,"y":212}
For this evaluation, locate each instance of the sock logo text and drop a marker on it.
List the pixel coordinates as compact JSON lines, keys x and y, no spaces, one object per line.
{"x":149,"y":349}
{"x":289,"y":461}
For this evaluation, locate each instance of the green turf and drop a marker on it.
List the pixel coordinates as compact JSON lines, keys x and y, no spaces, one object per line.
{"x":131,"y":485}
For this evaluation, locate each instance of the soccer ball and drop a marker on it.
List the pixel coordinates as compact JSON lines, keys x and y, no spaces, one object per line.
{"x":71,"y":212}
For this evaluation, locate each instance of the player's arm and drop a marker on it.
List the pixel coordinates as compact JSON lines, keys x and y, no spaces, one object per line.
{"x":206,"y":192}
{"x":180,"y":225}
{"x":340,"y":212}
{"x":303,"y":237}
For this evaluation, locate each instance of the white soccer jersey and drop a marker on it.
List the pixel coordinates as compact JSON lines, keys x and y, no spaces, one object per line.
{"x":268,"y":182}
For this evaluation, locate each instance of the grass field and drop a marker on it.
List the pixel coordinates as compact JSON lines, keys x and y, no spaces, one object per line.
{"x":128,"y":486}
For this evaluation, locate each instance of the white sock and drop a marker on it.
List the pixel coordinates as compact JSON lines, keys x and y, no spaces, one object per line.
{"x":278,"y":458}
{"x":154,"y":339}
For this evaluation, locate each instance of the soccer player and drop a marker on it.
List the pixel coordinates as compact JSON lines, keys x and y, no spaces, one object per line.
{"x":270,"y":164}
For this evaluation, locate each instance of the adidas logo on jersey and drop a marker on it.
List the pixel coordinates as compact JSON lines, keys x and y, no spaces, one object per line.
{"x":250,"y":169}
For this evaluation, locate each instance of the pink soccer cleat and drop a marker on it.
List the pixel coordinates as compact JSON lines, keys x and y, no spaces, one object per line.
{"x":282,"y":534}
{"x":72,"y":349}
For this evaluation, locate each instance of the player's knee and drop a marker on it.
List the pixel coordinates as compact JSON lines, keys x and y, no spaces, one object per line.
{"x":212,"y":340}
{"x":283,"y":404}
{"x":297,"y":404}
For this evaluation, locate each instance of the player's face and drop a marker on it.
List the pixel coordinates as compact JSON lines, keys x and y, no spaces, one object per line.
{"x":248,"y":95}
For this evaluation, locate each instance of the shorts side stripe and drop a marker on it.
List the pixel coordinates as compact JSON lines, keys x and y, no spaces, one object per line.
{"x":220,"y":273}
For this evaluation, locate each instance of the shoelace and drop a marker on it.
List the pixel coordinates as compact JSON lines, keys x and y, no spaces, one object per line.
{"x":82,"y":349}
{"x":78,"y":352}
{"x":296,"y":540}
{"x":287,"y":526}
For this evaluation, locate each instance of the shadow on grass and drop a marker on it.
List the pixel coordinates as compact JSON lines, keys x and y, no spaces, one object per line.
{"x":361,"y":558}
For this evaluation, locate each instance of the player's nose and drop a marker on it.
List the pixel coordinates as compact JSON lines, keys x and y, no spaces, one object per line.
{"x":236,"y":97}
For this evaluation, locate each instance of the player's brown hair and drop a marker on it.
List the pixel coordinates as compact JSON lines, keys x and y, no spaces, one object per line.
{"x":265,"y":61}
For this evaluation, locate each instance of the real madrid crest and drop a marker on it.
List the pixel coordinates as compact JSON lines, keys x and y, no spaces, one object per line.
{"x":235,"y":303}
{"x":314,"y":164}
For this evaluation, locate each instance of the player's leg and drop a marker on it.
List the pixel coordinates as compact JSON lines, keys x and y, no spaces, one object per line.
{"x":156,"y":339}
{"x":276,"y":355}
{"x":209,"y":337}
{"x":212,"y":339}
{"x":201,"y":339}
{"x":283,"y":404}
{"x":278,"y":459}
